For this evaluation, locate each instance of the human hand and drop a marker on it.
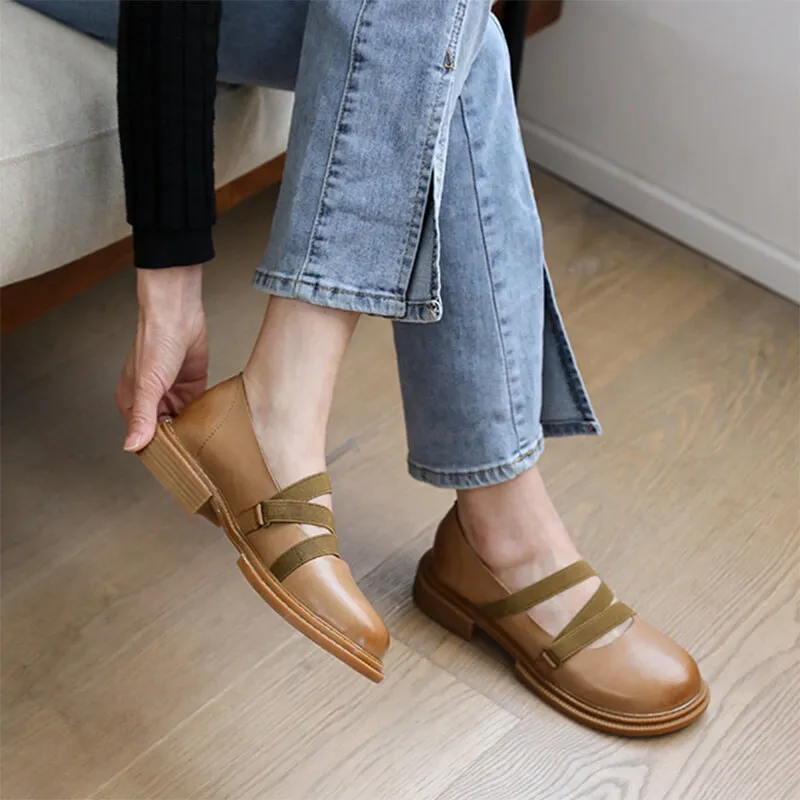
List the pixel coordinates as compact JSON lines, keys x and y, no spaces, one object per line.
{"x":167,"y":366}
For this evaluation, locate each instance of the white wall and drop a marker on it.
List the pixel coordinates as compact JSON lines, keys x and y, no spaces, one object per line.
{"x":685,"y":114}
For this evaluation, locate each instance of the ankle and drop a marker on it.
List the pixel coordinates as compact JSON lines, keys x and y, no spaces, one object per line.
{"x":290,"y":417}
{"x":291,"y":436}
{"x":499,"y":543}
{"x":515,"y":523}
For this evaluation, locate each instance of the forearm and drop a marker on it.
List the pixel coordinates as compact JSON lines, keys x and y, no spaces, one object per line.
{"x":167,"y":66}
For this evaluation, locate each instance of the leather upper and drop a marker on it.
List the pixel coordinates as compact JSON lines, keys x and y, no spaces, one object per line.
{"x":641,"y":672}
{"x":217,"y":430}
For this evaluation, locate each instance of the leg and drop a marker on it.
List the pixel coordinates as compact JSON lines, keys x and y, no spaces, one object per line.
{"x":352,"y":168}
{"x":481,"y":389}
{"x":290,"y":379}
{"x":356,"y":225}
{"x":329,"y":247}
{"x":481,"y":368}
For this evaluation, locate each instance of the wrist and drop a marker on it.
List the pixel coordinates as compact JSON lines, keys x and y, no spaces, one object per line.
{"x":175,"y":289}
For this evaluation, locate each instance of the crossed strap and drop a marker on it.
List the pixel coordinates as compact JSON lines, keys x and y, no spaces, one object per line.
{"x":291,"y":505}
{"x":597,"y":617}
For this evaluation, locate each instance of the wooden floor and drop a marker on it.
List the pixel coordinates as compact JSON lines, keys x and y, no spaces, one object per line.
{"x":136,"y":662}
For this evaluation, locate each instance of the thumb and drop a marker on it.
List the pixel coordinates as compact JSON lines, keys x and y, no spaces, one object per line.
{"x":148,"y":392}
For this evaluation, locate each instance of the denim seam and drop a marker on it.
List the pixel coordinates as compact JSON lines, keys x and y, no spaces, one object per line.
{"x":480,"y":476}
{"x":488,"y":265}
{"x":423,"y":191}
{"x":484,"y":468}
{"x":426,"y":166}
{"x":364,"y":302}
{"x":573,"y":376}
{"x":327,"y":287}
{"x":314,"y":238}
{"x":570,"y":428}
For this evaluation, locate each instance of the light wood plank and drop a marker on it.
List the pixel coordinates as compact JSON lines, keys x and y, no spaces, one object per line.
{"x":301,"y":725}
{"x":137,"y":662}
{"x":746,"y":747}
{"x":622,"y":288}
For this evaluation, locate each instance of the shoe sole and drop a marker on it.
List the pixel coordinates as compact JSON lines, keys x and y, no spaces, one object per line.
{"x":461,"y":618}
{"x":180,"y":473}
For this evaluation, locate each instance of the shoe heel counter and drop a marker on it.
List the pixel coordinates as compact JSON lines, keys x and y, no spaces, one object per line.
{"x":459,"y":567}
{"x":199,"y":421}
{"x":448,"y":550}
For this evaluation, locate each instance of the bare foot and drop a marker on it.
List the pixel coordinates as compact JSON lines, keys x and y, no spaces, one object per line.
{"x":290,"y":450}
{"x":518,"y":533}
{"x":289,"y":382}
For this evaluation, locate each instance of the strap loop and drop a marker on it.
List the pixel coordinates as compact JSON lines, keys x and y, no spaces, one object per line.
{"x":291,"y":505}
{"x":297,"y":511}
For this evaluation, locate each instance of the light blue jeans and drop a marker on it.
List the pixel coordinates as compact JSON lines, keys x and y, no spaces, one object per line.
{"x":406,"y":194}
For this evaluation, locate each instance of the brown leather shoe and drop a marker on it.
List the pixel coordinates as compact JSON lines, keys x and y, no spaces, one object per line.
{"x":210,"y":459}
{"x":641,"y":684}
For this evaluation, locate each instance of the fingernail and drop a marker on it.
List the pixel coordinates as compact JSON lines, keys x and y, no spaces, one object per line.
{"x":132,"y":443}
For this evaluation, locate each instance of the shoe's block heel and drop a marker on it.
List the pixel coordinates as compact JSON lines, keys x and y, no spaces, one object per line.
{"x":166,"y":458}
{"x":434,"y":604}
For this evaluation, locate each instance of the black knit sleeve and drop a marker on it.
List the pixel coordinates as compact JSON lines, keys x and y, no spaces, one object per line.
{"x":166,"y":85}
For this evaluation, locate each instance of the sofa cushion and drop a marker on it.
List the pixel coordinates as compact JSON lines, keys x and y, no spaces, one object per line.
{"x":60,"y":168}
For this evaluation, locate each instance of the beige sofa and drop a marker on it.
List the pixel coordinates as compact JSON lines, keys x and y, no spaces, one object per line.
{"x":62,"y":194}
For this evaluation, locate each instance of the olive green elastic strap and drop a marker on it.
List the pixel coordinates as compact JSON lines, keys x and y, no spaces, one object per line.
{"x":569,"y":644}
{"x":306,"y":489}
{"x":303,"y":552}
{"x":291,"y":505}
{"x":598,"y":602}
{"x":597,"y":617}
{"x":537,"y":593}
{"x":298,"y":511}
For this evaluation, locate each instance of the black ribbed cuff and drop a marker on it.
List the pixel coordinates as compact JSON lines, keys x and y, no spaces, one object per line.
{"x":160,"y":249}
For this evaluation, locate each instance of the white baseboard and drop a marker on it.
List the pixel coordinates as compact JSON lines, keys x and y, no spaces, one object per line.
{"x":737,"y":249}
